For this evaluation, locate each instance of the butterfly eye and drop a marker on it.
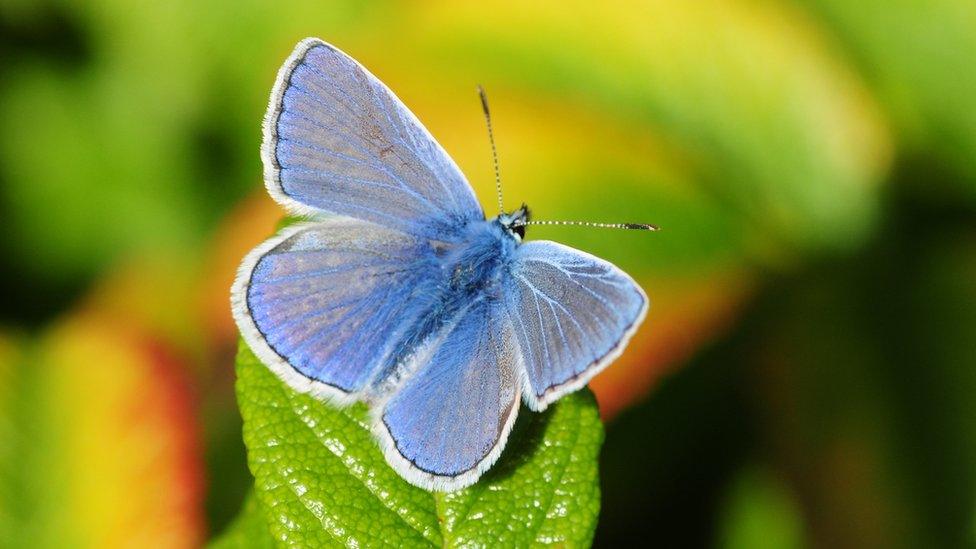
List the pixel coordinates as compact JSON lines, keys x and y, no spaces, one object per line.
{"x":520,"y":231}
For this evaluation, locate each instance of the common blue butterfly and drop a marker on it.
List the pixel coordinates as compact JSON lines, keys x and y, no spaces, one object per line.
{"x":400,"y":293}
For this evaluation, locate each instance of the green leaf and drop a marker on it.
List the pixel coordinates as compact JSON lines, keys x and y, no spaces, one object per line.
{"x":321,"y":479}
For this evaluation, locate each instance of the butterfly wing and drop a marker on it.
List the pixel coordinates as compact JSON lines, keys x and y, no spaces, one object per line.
{"x":572,"y":314}
{"x":449,"y":422}
{"x":337,"y":140}
{"x":321,"y":303}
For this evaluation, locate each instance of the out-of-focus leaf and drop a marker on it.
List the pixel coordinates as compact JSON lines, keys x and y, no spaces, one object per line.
{"x":163,"y":296}
{"x":153,"y":294}
{"x":320,"y":477}
{"x":776,"y":130}
{"x":760,"y":513}
{"x":130,"y":139}
{"x":103,"y":450}
{"x":919,"y":57}
{"x":10,"y":359}
{"x":109,"y":186}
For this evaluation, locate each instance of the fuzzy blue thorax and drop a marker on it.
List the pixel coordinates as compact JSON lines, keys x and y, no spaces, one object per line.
{"x":474,"y":265}
{"x":470,"y":270}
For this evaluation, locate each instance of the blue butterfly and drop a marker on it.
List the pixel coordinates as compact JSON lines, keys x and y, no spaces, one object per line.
{"x":400,"y":293}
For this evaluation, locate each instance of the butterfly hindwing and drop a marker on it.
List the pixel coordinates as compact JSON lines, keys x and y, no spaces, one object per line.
{"x":449,"y":421}
{"x":321,"y":302}
{"x":337,"y":140}
{"x":572,"y":314}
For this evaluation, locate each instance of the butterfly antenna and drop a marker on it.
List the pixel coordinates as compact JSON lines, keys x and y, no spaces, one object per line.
{"x":494,"y":151}
{"x":632,"y":226}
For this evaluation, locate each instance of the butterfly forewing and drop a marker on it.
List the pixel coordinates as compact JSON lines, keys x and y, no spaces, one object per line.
{"x":337,"y":140}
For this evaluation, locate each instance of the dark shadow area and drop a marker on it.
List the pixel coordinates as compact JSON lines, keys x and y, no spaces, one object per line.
{"x":851,"y":378}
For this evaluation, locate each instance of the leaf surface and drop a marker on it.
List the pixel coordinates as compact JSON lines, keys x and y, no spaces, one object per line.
{"x":320,"y":478}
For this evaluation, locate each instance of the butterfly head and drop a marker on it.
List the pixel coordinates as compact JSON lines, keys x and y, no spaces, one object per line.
{"x":514,"y":222}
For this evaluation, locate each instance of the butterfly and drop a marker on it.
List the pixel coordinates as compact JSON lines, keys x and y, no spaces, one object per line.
{"x":400,"y":293}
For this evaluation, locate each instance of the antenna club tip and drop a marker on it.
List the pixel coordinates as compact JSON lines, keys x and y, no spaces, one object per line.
{"x":484,"y":99}
{"x":642,"y":226}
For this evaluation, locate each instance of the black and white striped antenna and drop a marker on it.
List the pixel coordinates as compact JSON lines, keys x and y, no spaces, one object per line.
{"x":494,"y":151}
{"x":632,"y":226}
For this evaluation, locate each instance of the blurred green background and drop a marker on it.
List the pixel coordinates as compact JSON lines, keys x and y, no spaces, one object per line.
{"x":807,"y":373}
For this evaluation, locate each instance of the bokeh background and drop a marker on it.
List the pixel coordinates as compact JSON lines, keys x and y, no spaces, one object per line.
{"x":807,"y":373}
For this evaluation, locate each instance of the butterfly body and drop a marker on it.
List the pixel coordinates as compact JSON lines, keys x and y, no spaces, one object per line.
{"x":470,"y":270}
{"x":399,"y":292}
{"x":475,"y":265}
